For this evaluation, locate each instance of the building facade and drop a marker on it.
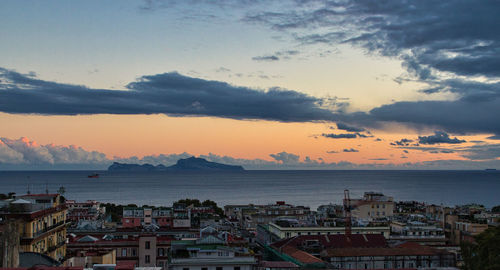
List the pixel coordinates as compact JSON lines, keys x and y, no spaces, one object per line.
{"x":41,"y":223}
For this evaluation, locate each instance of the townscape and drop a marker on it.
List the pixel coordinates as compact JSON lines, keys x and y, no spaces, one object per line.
{"x":370,"y":232}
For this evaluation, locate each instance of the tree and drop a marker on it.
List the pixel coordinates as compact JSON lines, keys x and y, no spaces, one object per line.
{"x":61,"y":190}
{"x":485,"y":253}
{"x":188,"y":202}
{"x":496,"y":209}
{"x":9,"y":195}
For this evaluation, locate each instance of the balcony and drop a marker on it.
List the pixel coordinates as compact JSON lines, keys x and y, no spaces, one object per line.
{"x":56,"y":246}
{"x":44,"y":231}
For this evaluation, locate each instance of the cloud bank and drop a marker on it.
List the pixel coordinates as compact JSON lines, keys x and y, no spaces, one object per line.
{"x":24,"y":154}
{"x":168,"y":93}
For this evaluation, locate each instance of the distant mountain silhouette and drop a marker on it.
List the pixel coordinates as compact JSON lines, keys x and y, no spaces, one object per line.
{"x":186,"y":164}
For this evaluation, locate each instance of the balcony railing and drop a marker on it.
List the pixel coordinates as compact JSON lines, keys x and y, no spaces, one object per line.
{"x":45,"y":230}
{"x":56,"y":246}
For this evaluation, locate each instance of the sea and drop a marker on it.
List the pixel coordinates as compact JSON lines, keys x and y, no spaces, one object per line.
{"x":308,"y":188}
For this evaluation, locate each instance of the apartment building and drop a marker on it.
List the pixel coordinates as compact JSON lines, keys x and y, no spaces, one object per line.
{"x":39,"y":223}
{"x":209,"y":254}
{"x":285,"y":230}
{"x":249,"y":216}
{"x":137,"y":217}
{"x":89,"y":210}
{"x":372,"y":206}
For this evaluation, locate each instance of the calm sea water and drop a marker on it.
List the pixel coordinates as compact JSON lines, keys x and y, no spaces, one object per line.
{"x":311,"y":188}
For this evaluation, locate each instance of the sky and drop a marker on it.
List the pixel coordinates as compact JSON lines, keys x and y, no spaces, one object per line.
{"x":349,"y":84}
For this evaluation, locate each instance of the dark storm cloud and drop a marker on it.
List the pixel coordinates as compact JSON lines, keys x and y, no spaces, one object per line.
{"x":168,"y":93}
{"x":348,"y":128}
{"x":350,"y":150}
{"x":482,"y":152}
{"x":494,"y":137}
{"x":453,"y":36}
{"x":340,"y":136}
{"x":452,"y":116}
{"x":445,"y":44}
{"x":439,"y":137}
{"x":345,"y":135}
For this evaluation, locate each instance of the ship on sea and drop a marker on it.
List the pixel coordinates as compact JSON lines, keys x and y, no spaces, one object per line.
{"x":94,"y":175}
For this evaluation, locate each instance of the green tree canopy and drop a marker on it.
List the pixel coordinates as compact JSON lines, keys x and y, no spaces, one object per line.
{"x":485,"y":253}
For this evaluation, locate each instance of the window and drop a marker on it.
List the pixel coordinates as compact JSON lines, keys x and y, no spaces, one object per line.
{"x":236,"y":268}
{"x":186,"y":268}
{"x":148,"y":245}
{"x":218,"y":268}
{"x":134,"y":252}
{"x":160,"y":252}
{"x":147,"y":259}
{"x":204,"y":268}
{"x":124,"y":252}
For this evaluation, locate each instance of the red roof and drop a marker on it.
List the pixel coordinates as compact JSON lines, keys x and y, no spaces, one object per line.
{"x":300,"y":255}
{"x":360,"y":252}
{"x":335,"y":241}
{"x":125,"y":265}
{"x":410,"y":249}
{"x":278,"y":264}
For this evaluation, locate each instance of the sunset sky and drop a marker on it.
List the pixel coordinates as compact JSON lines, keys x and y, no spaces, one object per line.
{"x":267,"y":84}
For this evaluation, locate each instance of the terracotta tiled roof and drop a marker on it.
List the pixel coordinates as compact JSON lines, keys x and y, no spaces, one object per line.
{"x":301,"y":256}
{"x":396,"y":251}
{"x":278,"y":264}
{"x":336,"y":241}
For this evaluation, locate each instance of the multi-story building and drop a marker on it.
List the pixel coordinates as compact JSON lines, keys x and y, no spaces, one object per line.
{"x":250,"y":216}
{"x":404,"y":256}
{"x":141,"y":249}
{"x":415,"y":231}
{"x":137,"y":217}
{"x":372,"y":206}
{"x":464,"y":231}
{"x":89,"y":210}
{"x":39,"y":220}
{"x":181,"y":216}
{"x":209,"y":254}
{"x":286,"y":231}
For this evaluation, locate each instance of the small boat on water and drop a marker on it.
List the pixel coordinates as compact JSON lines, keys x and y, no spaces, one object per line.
{"x":94,"y":175}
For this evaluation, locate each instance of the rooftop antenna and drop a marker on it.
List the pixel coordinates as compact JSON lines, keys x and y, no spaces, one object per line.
{"x":28,"y":189}
{"x":46,"y":187}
